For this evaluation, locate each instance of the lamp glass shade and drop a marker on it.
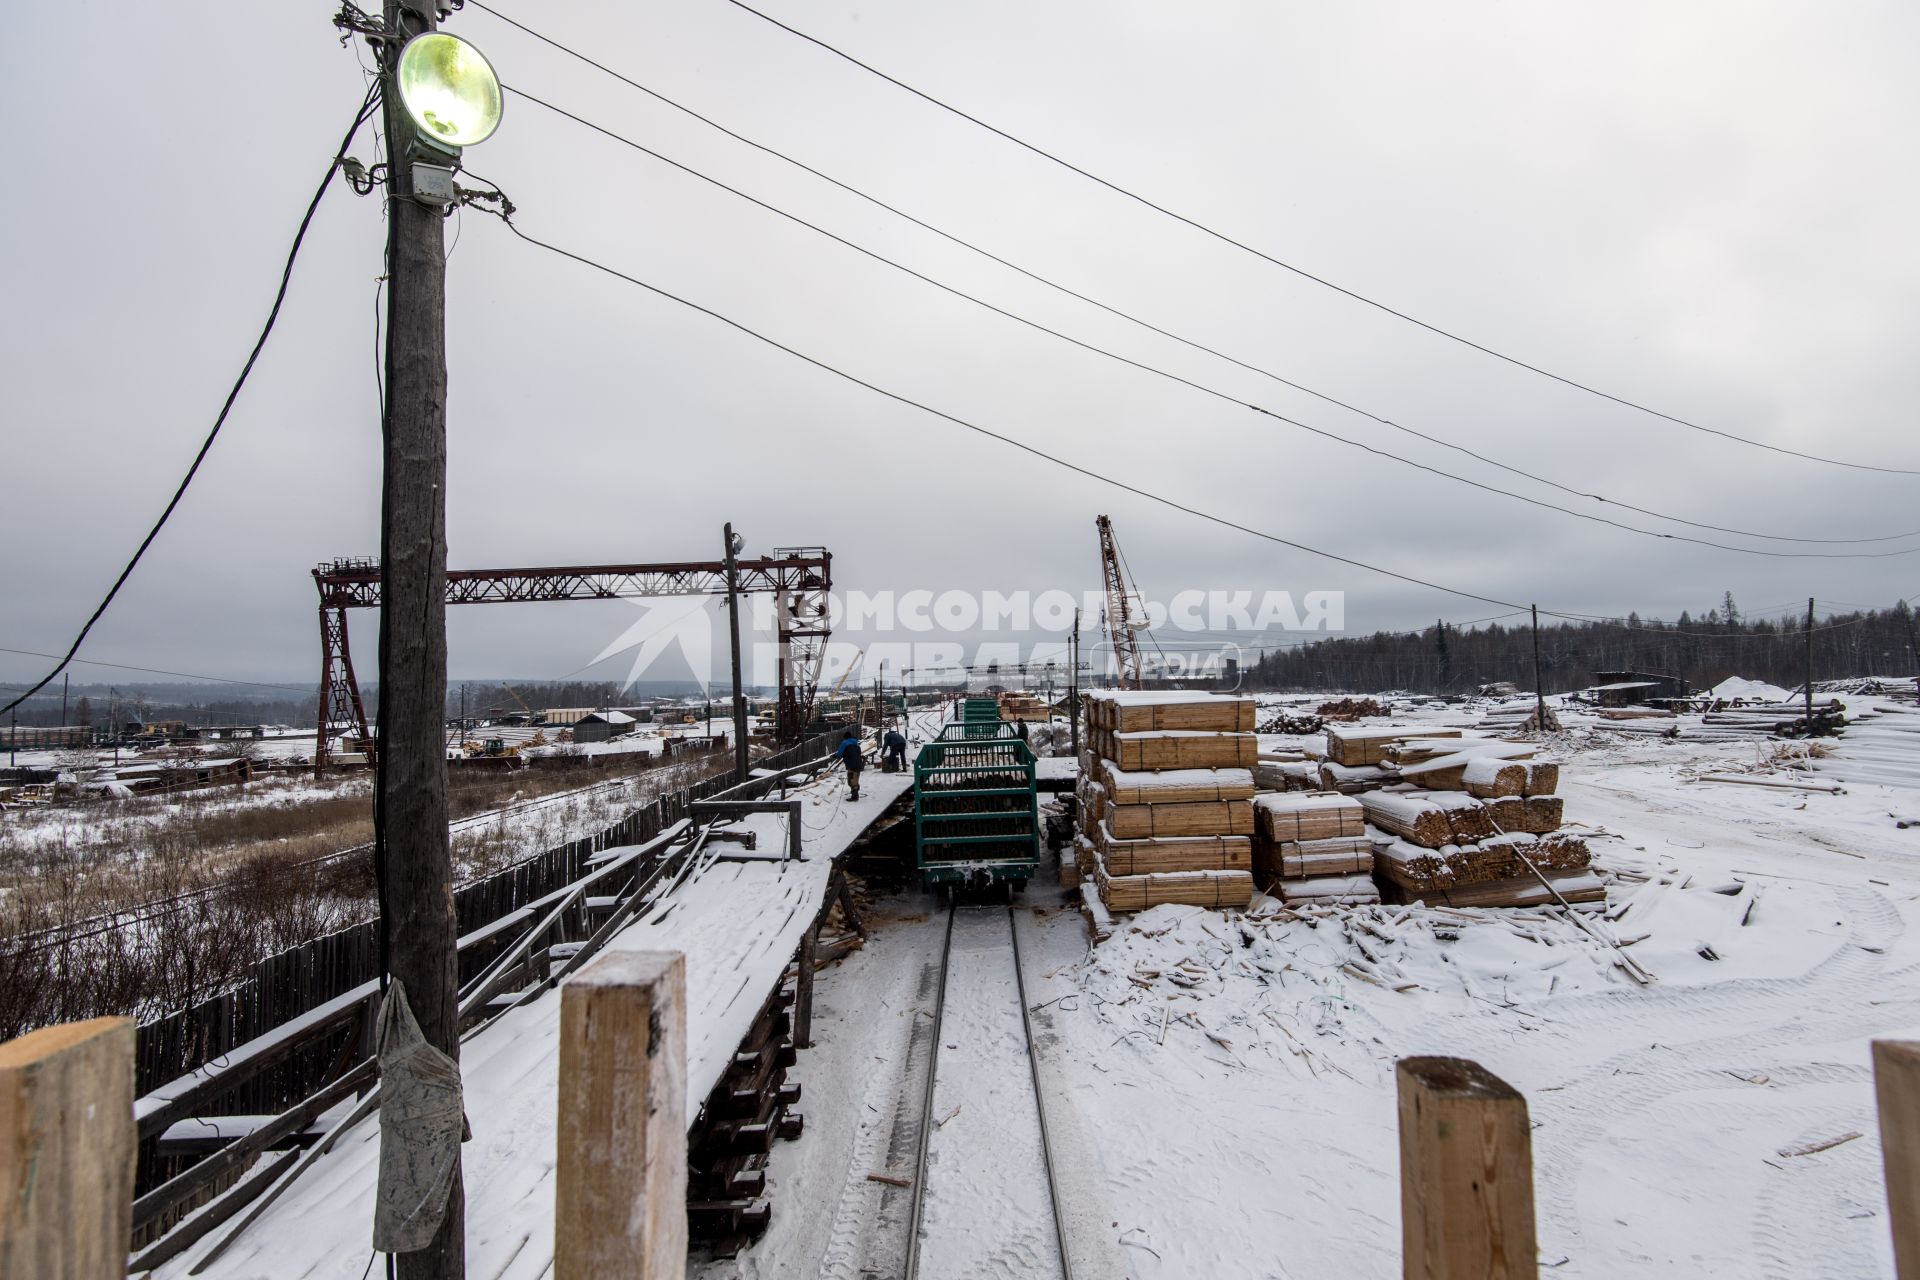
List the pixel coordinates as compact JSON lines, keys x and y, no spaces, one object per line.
{"x":449,"y":89}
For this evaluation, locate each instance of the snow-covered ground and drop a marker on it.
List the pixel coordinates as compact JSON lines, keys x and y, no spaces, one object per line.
{"x":1226,"y":1082}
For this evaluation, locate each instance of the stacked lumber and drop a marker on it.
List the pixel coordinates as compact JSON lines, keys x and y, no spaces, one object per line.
{"x":1024,"y":706}
{"x":1356,"y":747}
{"x":1313,"y":847}
{"x":1489,"y":845}
{"x":1286,"y":775}
{"x":1167,"y":790}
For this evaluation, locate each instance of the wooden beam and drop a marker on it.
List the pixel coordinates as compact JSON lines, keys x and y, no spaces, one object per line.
{"x":620,"y":1193}
{"x":1466,"y":1174}
{"x":67,"y":1151}
{"x":1896,"y":1086}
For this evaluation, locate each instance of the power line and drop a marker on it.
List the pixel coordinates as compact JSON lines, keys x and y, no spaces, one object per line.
{"x":1148,"y":325}
{"x":1004,"y":439}
{"x":306,"y":690}
{"x":286,"y":276}
{"x":1184,"y":381}
{"x":1302,"y":272}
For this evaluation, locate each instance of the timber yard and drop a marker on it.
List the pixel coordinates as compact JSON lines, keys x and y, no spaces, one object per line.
{"x":986,"y":771}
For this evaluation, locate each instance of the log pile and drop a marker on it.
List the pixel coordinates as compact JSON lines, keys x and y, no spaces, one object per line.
{"x":1313,"y":847}
{"x":1166,"y":799}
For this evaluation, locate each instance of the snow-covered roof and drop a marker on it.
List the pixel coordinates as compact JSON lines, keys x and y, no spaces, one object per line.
{"x":608,"y":717}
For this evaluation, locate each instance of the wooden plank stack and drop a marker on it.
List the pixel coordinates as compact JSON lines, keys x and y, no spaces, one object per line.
{"x":1166,"y":798}
{"x":1313,"y":847}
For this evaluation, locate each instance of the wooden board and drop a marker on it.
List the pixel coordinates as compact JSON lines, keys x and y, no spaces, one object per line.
{"x":1344,"y":855}
{"x":1295,"y":816}
{"x":1126,"y":711}
{"x":1193,"y":888}
{"x":1356,"y":747}
{"x":1176,"y":786}
{"x":1191,"y":853}
{"x":1211,"y":818}
{"x":1175,"y":749}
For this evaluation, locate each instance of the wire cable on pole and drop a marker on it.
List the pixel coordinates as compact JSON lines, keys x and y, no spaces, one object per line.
{"x":1185,"y":381}
{"x":1004,"y":439}
{"x":361,"y":116}
{"x":1308,"y":275}
{"x":1149,"y":325}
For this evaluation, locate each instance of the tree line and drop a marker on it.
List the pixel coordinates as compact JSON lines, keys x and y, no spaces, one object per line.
{"x":1701,"y":650}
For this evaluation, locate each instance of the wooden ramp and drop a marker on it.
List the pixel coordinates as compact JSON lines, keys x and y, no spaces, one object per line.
{"x":738,"y":918}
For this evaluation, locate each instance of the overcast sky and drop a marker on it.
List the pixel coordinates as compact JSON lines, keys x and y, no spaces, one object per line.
{"x":1706,"y":208}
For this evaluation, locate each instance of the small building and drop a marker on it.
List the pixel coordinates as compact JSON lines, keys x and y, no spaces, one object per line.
{"x":602,"y":726}
{"x":1634,"y":688}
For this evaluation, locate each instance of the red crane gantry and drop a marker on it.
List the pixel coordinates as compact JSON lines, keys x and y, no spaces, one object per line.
{"x":799,"y":578}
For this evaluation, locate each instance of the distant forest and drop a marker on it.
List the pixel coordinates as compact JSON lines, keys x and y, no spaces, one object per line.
{"x":1700,"y":650}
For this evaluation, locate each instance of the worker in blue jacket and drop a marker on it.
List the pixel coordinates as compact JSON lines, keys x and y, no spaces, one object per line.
{"x":851,"y":758}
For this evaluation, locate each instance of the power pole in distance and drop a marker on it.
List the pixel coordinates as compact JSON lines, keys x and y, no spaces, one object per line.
{"x":1539,"y":689}
{"x":734,"y":543}
{"x":1809,"y":664}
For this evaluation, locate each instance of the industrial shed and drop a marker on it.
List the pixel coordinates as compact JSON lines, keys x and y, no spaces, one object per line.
{"x":602,"y":726}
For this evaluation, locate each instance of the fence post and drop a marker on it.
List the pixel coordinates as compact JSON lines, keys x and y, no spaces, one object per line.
{"x":1896,"y":1087}
{"x":620,"y":1194}
{"x":67,"y":1151}
{"x":1466,"y":1174}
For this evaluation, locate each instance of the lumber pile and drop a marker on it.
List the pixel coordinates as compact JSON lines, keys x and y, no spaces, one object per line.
{"x":1481,"y":850}
{"x":1166,"y":799}
{"x":1313,"y":847}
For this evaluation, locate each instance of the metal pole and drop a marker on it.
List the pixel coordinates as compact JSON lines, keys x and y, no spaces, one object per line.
{"x":65,"y":676}
{"x":1539,"y":689}
{"x":415,"y":864}
{"x":1073,"y":688}
{"x":1809,"y":664}
{"x":739,"y":693}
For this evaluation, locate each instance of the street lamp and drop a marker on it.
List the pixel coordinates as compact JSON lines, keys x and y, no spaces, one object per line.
{"x":450,"y":90}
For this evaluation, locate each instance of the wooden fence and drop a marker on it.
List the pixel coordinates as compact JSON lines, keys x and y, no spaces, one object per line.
{"x":297,"y":982}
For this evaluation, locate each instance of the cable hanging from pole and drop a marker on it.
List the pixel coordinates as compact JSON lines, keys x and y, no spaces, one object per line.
{"x":338,"y":160}
{"x":1308,"y":275}
{"x":1189,"y":382}
{"x":1571,"y":490}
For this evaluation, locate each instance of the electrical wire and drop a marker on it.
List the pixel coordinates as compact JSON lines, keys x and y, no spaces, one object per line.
{"x":154,"y":671}
{"x":1308,"y":275}
{"x":1004,"y":439}
{"x":286,"y":276}
{"x":1189,"y":382}
{"x":1154,"y":328}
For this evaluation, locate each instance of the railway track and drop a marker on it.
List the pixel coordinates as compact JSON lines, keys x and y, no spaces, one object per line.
{"x":988,"y":1174}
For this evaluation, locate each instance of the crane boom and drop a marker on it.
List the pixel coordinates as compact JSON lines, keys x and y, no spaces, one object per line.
{"x":1126,"y":644}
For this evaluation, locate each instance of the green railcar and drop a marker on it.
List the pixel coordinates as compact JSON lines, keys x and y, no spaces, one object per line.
{"x":976,"y":814}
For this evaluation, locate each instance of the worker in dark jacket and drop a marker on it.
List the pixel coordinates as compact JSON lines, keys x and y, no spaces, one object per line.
{"x":851,"y":758}
{"x":1020,"y":729}
{"x":894,"y":757}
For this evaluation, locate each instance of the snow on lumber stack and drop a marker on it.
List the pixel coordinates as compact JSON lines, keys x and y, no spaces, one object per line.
{"x":1309,"y":817}
{"x":1353,"y":781}
{"x":1133,"y":710}
{"x":1167,"y":797}
{"x":1340,"y":891}
{"x":1489,"y":779}
{"x":1190,"y":888}
{"x":1342,"y":855}
{"x":1154,"y":854}
{"x":1356,"y":747}
{"x":1571,"y":886}
{"x":1285,"y":775}
{"x":1429,"y":818}
{"x":1176,"y":786}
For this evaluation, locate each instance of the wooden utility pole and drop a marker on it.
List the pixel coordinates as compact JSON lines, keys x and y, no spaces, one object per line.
{"x":1809,"y":664}
{"x":1539,"y":688}
{"x":411,"y":792}
{"x":739,"y":692}
{"x":1466,"y":1174}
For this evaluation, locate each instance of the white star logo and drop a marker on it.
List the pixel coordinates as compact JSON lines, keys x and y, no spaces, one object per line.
{"x":666,"y":622}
